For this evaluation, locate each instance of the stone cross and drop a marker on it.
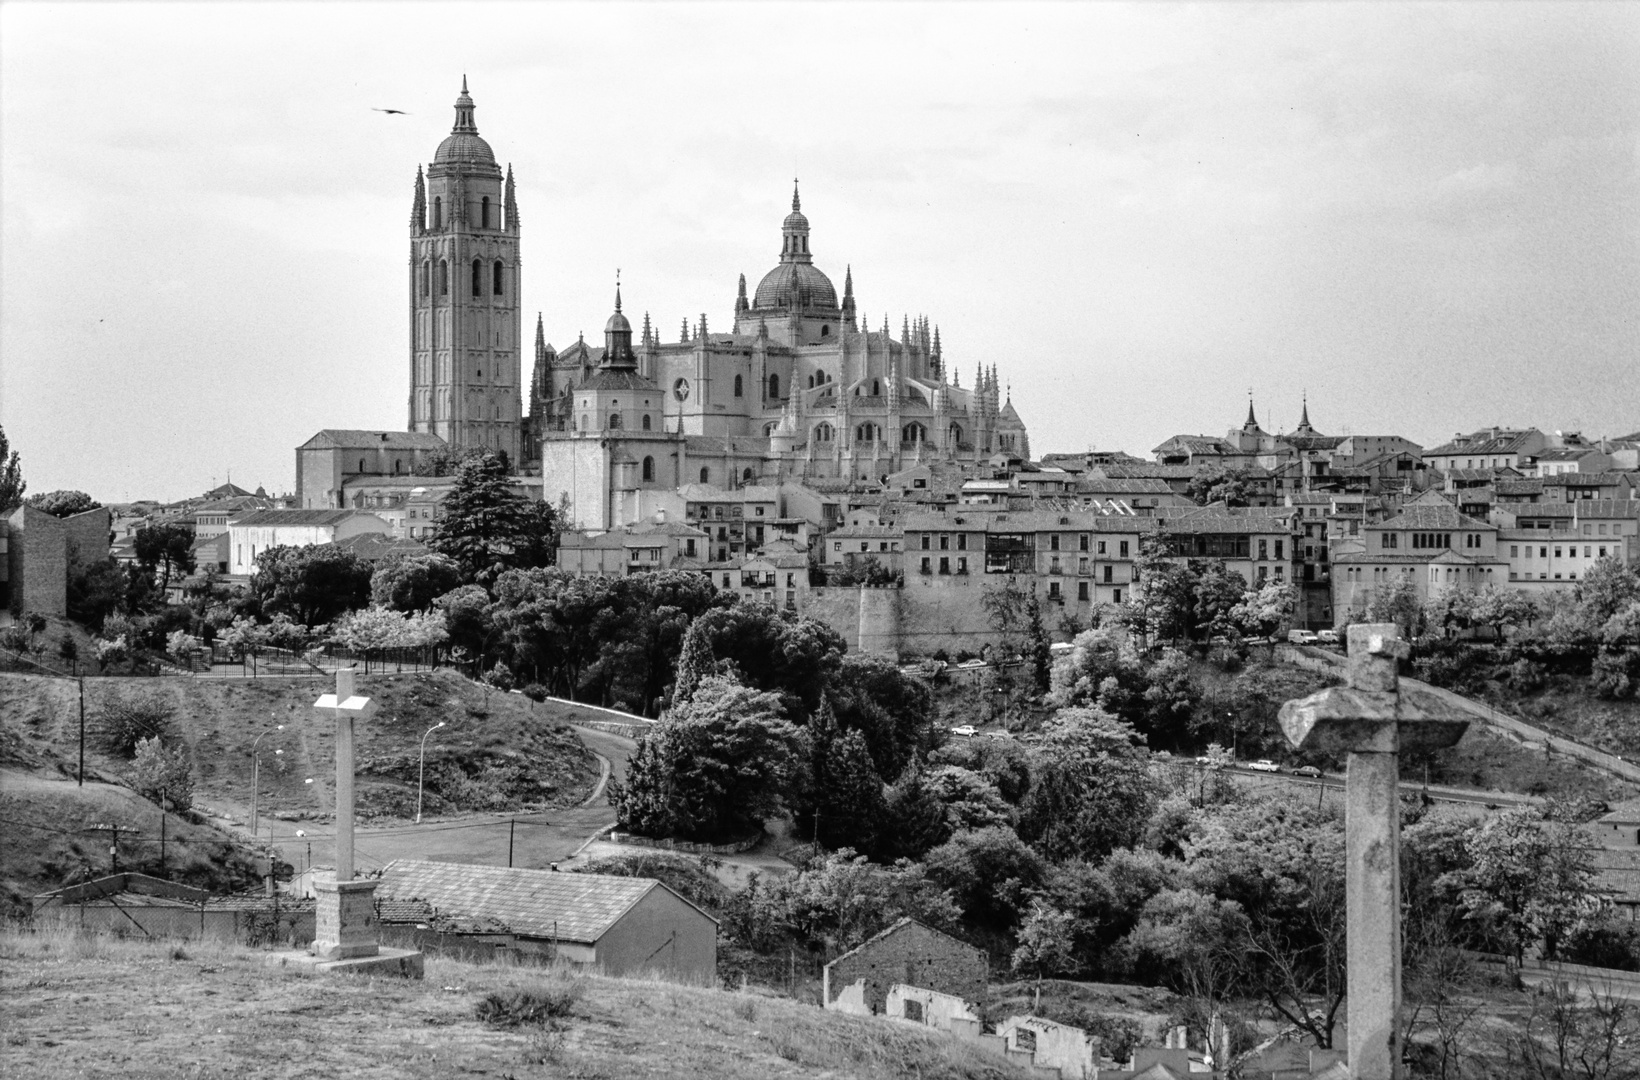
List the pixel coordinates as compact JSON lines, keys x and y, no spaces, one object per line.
{"x":1371,"y":721}
{"x":345,"y":916}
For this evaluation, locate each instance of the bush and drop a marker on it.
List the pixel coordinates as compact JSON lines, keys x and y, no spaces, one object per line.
{"x":1526,"y":676}
{"x":124,"y":722}
{"x":160,"y":774}
{"x":537,"y":1006}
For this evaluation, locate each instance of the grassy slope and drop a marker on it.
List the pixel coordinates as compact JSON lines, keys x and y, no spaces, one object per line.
{"x":49,"y":840}
{"x":100,"y":1008}
{"x":1566,"y":707}
{"x":489,"y":736}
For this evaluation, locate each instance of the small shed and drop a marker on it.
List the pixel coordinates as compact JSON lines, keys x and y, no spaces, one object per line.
{"x":142,"y":906}
{"x":618,"y":924}
{"x":911,"y":953}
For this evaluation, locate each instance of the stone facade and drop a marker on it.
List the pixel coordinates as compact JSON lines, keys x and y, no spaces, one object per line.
{"x":908,"y":952}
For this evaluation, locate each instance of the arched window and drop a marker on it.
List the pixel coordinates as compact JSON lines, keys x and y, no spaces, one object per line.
{"x":426,"y":278}
{"x":397,"y":465}
{"x":738,"y":388}
{"x":484,"y":213}
{"x":705,"y":475}
{"x":438,"y":212}
{"x":496,"y":287}
{"x":443,"y":277}
{"x":825,"y":331}
{"x":361,"y":464}
{"x":824,"y":433}
{"x":876,"y":388}
{"x":583,"y":424}
{"x":614,"y":420}
{"x":478,"y":279}
{"x":956,"y":433}
{"x":811,"y":382}
{"x":913,"y":433}
{"x":774,"y":386}
{"x":746,"y":476}
{"x":770,"y":428}
{"x":646,"y":421}
{"x":648,"y":466}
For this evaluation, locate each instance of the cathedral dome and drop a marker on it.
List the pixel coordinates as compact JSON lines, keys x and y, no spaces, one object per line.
{"x":464,"y":148}
{"x":813,"y":289}
{"x":617,"y":323}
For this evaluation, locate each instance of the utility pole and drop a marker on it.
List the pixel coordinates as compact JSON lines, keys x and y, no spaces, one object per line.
{"x":162,"y":796}
{"x":82,"y":731}
{"x":512,"y":824}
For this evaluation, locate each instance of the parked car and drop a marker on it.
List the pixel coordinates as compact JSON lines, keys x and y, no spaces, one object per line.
{"x":967,"y":731}
{"x":1307,"y":770}
{"x":1327,"y":637}
{"x":1264,"y":765}
{"x":1302,"y":637}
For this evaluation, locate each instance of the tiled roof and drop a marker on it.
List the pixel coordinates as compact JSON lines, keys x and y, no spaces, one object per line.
{"x":534,"y":903}
{"x":1114,"y":485}
{"x":275,"y":518}
{"x":1484,"y":442}
{"x":896,"y":928}
{"x":373,"y":547}
{"x":613,"y":379}
{"x":403,"y":911}
{"x":1585,"y":479}
{"x":355,"y":439}
{"x":1423,"y":515}
{"x":1525,"y":485}
{"x":861,"y":532}
{"x":1148,"y":471}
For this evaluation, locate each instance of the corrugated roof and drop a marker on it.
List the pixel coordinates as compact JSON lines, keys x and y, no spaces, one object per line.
{"x":535,"y":903}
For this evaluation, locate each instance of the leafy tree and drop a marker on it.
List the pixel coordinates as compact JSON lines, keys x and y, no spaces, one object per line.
{"x":970,"y":800}
{"x":867,"y":571}
{"x":696,"y":662}
{"x":716,"y":767}
{"x":111,"y":651}
{"x":1190,"y":942}
{"x":487,"y":527}
{"x":918,"y":817}
{"x":69,"y":650}
{"x":375,"y":629}
{"x":893,"y":711}
{"x":413,"y":582}
{"x":1045,"y":936}
{"x":844,"y":803}
{"x":12,"y":484}
{"x":776,"y":650}
{"x":1396,"y":601}
{"x":1090,"y":787}
{"x":161,"y":774}
{"x":640,"y":635}
{"x":1503,"y":609}
{"x":1002,"y":763}
{"x":312,"y":585}
{"x":1262,"y":612}
{"x":1170,"y":700}
{"x":1213,"y":483}
{"x":1161,"y":604}
{"x":989,"y":872}
{"x":1616,"y":672}
{"x":1608,"y":587}
{"x":164,"y":549}
{"x":1217,"y":591}
{"x":64,"y":503}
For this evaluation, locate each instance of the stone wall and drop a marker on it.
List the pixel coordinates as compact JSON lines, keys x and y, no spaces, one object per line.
{"x":838,"y":608}
{"x":87,"y":537}
{"x":38,"y":557}
{"x":914,"y":954}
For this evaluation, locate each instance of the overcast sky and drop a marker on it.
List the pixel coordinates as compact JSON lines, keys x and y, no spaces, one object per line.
{"x":1425,"y":215}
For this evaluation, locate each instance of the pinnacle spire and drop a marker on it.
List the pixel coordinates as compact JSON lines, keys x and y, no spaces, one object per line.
{"x":1304,"y":417}
{"x":797,"y":205}
{"x":617,"y":292}
{"x":1252,"y":421}
{"x":540,"y":332}
{"x":464,"y":112}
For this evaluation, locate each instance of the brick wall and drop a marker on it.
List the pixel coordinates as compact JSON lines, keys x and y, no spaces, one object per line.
{"x":87,"y":537}
{"x":913,"y":954}
{"x":38,"y":554}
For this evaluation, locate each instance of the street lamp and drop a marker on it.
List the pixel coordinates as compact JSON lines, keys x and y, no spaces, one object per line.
{"x":256,"y":774}
{"x":421,"y":767}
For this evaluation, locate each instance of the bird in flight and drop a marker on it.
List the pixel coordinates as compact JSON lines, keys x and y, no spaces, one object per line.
{"x":391,"y":112}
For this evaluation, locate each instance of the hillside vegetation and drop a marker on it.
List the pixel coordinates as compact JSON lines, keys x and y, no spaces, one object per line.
{"x":98,"y":1007}
{"x":497,"y":751}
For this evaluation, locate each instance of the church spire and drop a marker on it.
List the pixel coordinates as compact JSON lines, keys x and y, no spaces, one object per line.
{"x":540,"y":333}
{"x":848,"y":296}
{"x":797,"y":205}
{"x":418,"y":205}
{"x":464,"y":113}
{"x":647,"y":333}
{"x":1252,"y":421}
{"x":741,"y":303}
{"x":1304,"y":417}
{"x":509,"y":201}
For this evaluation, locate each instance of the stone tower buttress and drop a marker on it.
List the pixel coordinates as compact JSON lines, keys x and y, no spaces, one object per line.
{"x":466,"y":356}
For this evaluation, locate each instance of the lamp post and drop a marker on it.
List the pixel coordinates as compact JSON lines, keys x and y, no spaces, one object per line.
{"x":256,"y":774}
{"x":421,"y":767}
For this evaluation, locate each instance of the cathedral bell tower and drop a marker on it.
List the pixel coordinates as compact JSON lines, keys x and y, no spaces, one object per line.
{"x":465,"y":317}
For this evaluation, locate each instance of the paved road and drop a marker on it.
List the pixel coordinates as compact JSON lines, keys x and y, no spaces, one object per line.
{"x":536,"y":840}
{"x":1335,"y":783}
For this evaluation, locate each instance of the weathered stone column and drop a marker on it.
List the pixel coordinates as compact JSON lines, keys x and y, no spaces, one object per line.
{"x":1371,"y":721}
{"x":345,"y":910}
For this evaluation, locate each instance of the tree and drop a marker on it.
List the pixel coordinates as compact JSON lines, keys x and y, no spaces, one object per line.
{"x":165,"y":549}
{"x":69,"y":650}
{"x":892,"y":710}
{"x":843,"y":804}
{"x":989,"y":872}
{"x":919,"y":818}
{"x":1190,"y":942}
{"x":1044,"y":948}
{"x":1090,"y":787}
{"x":121,"y":723}
{"x":487,"y":527}
{"x":835,"y":902}
{"x":1214,"y":483}
{"x":716,"y":767}
{"x":970,"y":800}
{"x":1161,"y":604}
{"x":1503,"y":609}
{"x":163,"y":775}
{"x":1217,"y":591}
{"x":12,"y":484}
{"x":1608,"y":587}
{"x":1397,"y":602}
{"x":64,"y":503}
{"x":774,"y":649}
{"x":313,"y":585}
{"x":413,"y":582}
{"x":1262,"y":612}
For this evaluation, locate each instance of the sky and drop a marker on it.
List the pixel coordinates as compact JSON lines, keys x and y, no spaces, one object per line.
{"x":1425,"y":217}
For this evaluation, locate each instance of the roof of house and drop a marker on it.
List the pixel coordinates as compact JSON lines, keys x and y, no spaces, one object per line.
{"x":1588,"y":479}
{"x":1147,"y":470}
{"x":374,"y":547}
{"x":534,"y":903}
{"x":1425,"y":515}
{"x":1123,"y":485}
{"x":1525,"y":485}
{"x":275,"y":518}
{"x":357,"y":439}
{"x":1486,"y":441}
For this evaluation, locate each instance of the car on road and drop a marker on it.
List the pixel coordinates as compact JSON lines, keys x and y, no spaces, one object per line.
{"x":1264,"y":765}
{"x":1327,"y":637}
{"x":1302,"y":637}
{"x":1307,"y":770}
{"x":967,"y":731}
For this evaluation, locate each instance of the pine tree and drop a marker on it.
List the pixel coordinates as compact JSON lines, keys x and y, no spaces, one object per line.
{"x":487,"y":527}
{"x":851,"y":803}
{"x":695,"y":662}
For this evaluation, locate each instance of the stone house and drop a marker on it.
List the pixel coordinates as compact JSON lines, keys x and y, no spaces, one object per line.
{"x":910,"y":953}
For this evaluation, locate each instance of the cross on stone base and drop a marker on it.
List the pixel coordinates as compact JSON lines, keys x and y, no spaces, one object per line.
{"x":345,"y":910}
{"x":1371,"y":721}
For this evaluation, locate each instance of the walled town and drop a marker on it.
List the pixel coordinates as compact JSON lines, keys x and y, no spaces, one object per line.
{"x":758,"y":696}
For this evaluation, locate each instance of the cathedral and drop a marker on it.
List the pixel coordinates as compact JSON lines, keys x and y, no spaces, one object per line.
{"x":799,"y":388}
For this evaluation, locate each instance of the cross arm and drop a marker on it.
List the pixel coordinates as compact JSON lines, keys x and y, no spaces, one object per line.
{"x":1342,"y":718}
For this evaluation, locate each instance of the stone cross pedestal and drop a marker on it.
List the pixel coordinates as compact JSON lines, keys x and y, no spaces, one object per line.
{"x":1373,"y":723}
{"x":345,"y":910}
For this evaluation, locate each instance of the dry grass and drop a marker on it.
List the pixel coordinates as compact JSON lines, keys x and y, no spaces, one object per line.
{"x":98,"y":1007}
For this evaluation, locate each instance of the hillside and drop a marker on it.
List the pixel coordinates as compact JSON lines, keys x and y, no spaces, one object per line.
{"x":497,"y":751}
{"x":104,"y":1008}
{"x":57,"y":832}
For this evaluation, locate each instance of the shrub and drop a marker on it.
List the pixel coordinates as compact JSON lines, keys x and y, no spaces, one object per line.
{"x":161,"y":774}
{"x":536,"y":1006}
{"x":124,"y":722}
{"x":1526,"y":676}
